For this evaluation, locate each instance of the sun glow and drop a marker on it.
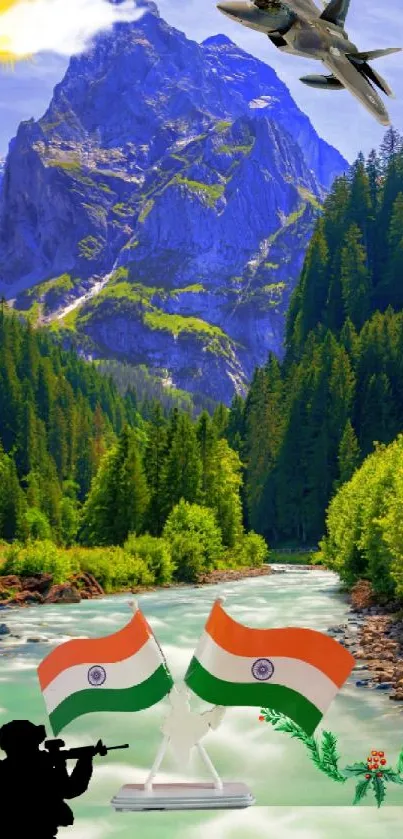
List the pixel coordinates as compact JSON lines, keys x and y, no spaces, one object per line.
{"x":65,"y":27}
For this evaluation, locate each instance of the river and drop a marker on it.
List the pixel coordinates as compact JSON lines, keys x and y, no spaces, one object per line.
{"x":293,"y":799}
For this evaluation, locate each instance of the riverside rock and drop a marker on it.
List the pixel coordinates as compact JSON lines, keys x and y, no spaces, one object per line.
{"x":63,"y":593}
{"x":380,"y":636}
{"x":178,"y":183}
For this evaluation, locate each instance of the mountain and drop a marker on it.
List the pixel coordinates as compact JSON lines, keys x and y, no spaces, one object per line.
{"x":170,"y":190}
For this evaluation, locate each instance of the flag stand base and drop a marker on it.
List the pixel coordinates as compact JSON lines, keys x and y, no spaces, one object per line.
{"x":182,"y":796}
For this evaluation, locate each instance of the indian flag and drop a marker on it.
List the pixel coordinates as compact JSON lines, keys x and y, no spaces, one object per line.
{"x":125,"y":671}
{"x":297,"y":672}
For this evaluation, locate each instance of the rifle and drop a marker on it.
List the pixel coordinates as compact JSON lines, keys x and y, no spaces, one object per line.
{"x":56,"y":750}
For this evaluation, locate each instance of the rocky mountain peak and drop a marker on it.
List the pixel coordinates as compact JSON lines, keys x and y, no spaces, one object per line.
{"x":167,"y":195}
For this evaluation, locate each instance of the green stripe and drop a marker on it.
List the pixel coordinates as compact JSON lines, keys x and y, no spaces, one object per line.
{"x":95,"y":699}
{"x":258,"y":694}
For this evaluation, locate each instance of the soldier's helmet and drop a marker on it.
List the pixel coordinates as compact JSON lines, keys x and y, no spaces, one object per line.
{"x":21,"y":736}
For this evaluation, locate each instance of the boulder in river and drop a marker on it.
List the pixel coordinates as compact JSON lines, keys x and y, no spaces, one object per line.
{"x":4,"y":630}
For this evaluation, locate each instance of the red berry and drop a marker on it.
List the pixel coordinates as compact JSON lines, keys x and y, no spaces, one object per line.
{"x":368,"y":777}
{"x":375,"y":754}
{"x":261,"y":718}
{"x":379,"y":774}
{"x":383,"y":762}
{"x":381,"y":754}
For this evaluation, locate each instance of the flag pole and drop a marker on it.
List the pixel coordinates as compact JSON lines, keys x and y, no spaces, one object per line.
{"x":165,"y":742}
{"x":209,"y":764}
{"x":157,"y":763}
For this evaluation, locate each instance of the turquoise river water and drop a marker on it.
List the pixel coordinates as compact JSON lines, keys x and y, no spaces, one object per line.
{"x":293,"y":799}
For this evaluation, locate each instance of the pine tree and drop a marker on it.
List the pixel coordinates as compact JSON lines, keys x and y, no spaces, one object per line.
{"x":314,"y":287}
{"x":155,"y":461}
{"x":130,"y":485}
{"x":119,"y":496}
{"x":390,"y":290}
{"x":236,"y":429}
{"x":355,"y":277}
{"x":183,"y":474}
{"x":359,"y":208}
{"x":12,"y":501}
{"x":378,"y":418}
{"x":220,"y":420}
{"x":391,"y":145}
{"x":264,"y":428}
{"x":349,"y":454}
{"x":206,"y":435}
{"x":224,"y":481}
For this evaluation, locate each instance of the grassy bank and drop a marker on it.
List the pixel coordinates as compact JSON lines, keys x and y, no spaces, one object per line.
{"x":143,"y":561}
{"x":283,"y":557}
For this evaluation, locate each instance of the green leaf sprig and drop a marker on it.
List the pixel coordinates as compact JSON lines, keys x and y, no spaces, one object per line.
{"x":324,"y":755}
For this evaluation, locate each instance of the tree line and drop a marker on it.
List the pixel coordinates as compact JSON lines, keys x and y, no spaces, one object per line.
{"x":81,"y":465}
{"x":364,"y":532}
{"x":310,"y":420}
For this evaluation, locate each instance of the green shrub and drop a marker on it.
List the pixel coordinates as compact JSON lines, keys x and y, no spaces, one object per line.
{"x":69,"y":520}
{"x":38,"y":558}
{"x":364,"y":532}
{"x":188,"y":555}
{"x":253,"y":550}
{"x":36,"y":525}
{"x":200,"y":523}
{"x":112,"y":567}
{"x":155,"y":553}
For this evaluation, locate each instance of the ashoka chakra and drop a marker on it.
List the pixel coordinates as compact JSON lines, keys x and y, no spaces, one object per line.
{"x":262,"y":669}
{"x":96,"y":675}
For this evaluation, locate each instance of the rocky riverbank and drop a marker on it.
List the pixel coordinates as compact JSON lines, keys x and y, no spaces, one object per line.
{"x":41,"y":589}
{"x":38,"y":589}
{"x":374,"y":636}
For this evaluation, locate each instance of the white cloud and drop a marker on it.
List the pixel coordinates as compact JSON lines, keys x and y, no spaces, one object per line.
{"x":65,"y":27}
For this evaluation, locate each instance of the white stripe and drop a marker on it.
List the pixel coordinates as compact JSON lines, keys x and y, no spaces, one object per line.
{"x":289,"y":672}
{"x":120,"y":674}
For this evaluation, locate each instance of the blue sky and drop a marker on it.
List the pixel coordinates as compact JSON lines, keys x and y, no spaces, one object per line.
{"x":371,"y":24}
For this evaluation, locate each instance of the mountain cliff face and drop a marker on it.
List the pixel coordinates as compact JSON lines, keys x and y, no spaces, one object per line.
{"x":160,"y":210}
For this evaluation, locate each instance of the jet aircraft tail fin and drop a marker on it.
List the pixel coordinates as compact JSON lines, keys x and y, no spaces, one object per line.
{"x":361,"y":62}
{"x":371,"y":54}
{"x":336,"y":12}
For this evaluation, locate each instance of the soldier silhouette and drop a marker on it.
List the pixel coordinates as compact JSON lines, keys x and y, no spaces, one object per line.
{"x":34,"y":783}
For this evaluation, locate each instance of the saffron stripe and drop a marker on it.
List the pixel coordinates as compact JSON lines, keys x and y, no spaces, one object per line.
{"x":119,"y":675}
{"x":122,"y":644}
{"x":277,"y":697}
{"x":132,"y":699}
{"x":308,"y":645}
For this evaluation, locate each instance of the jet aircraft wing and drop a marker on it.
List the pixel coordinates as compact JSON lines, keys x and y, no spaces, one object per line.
{"x":304,"y":9}
{"x":357,"y":84}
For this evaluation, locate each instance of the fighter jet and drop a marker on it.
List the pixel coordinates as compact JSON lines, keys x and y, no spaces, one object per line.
{"x":298,"y":27}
